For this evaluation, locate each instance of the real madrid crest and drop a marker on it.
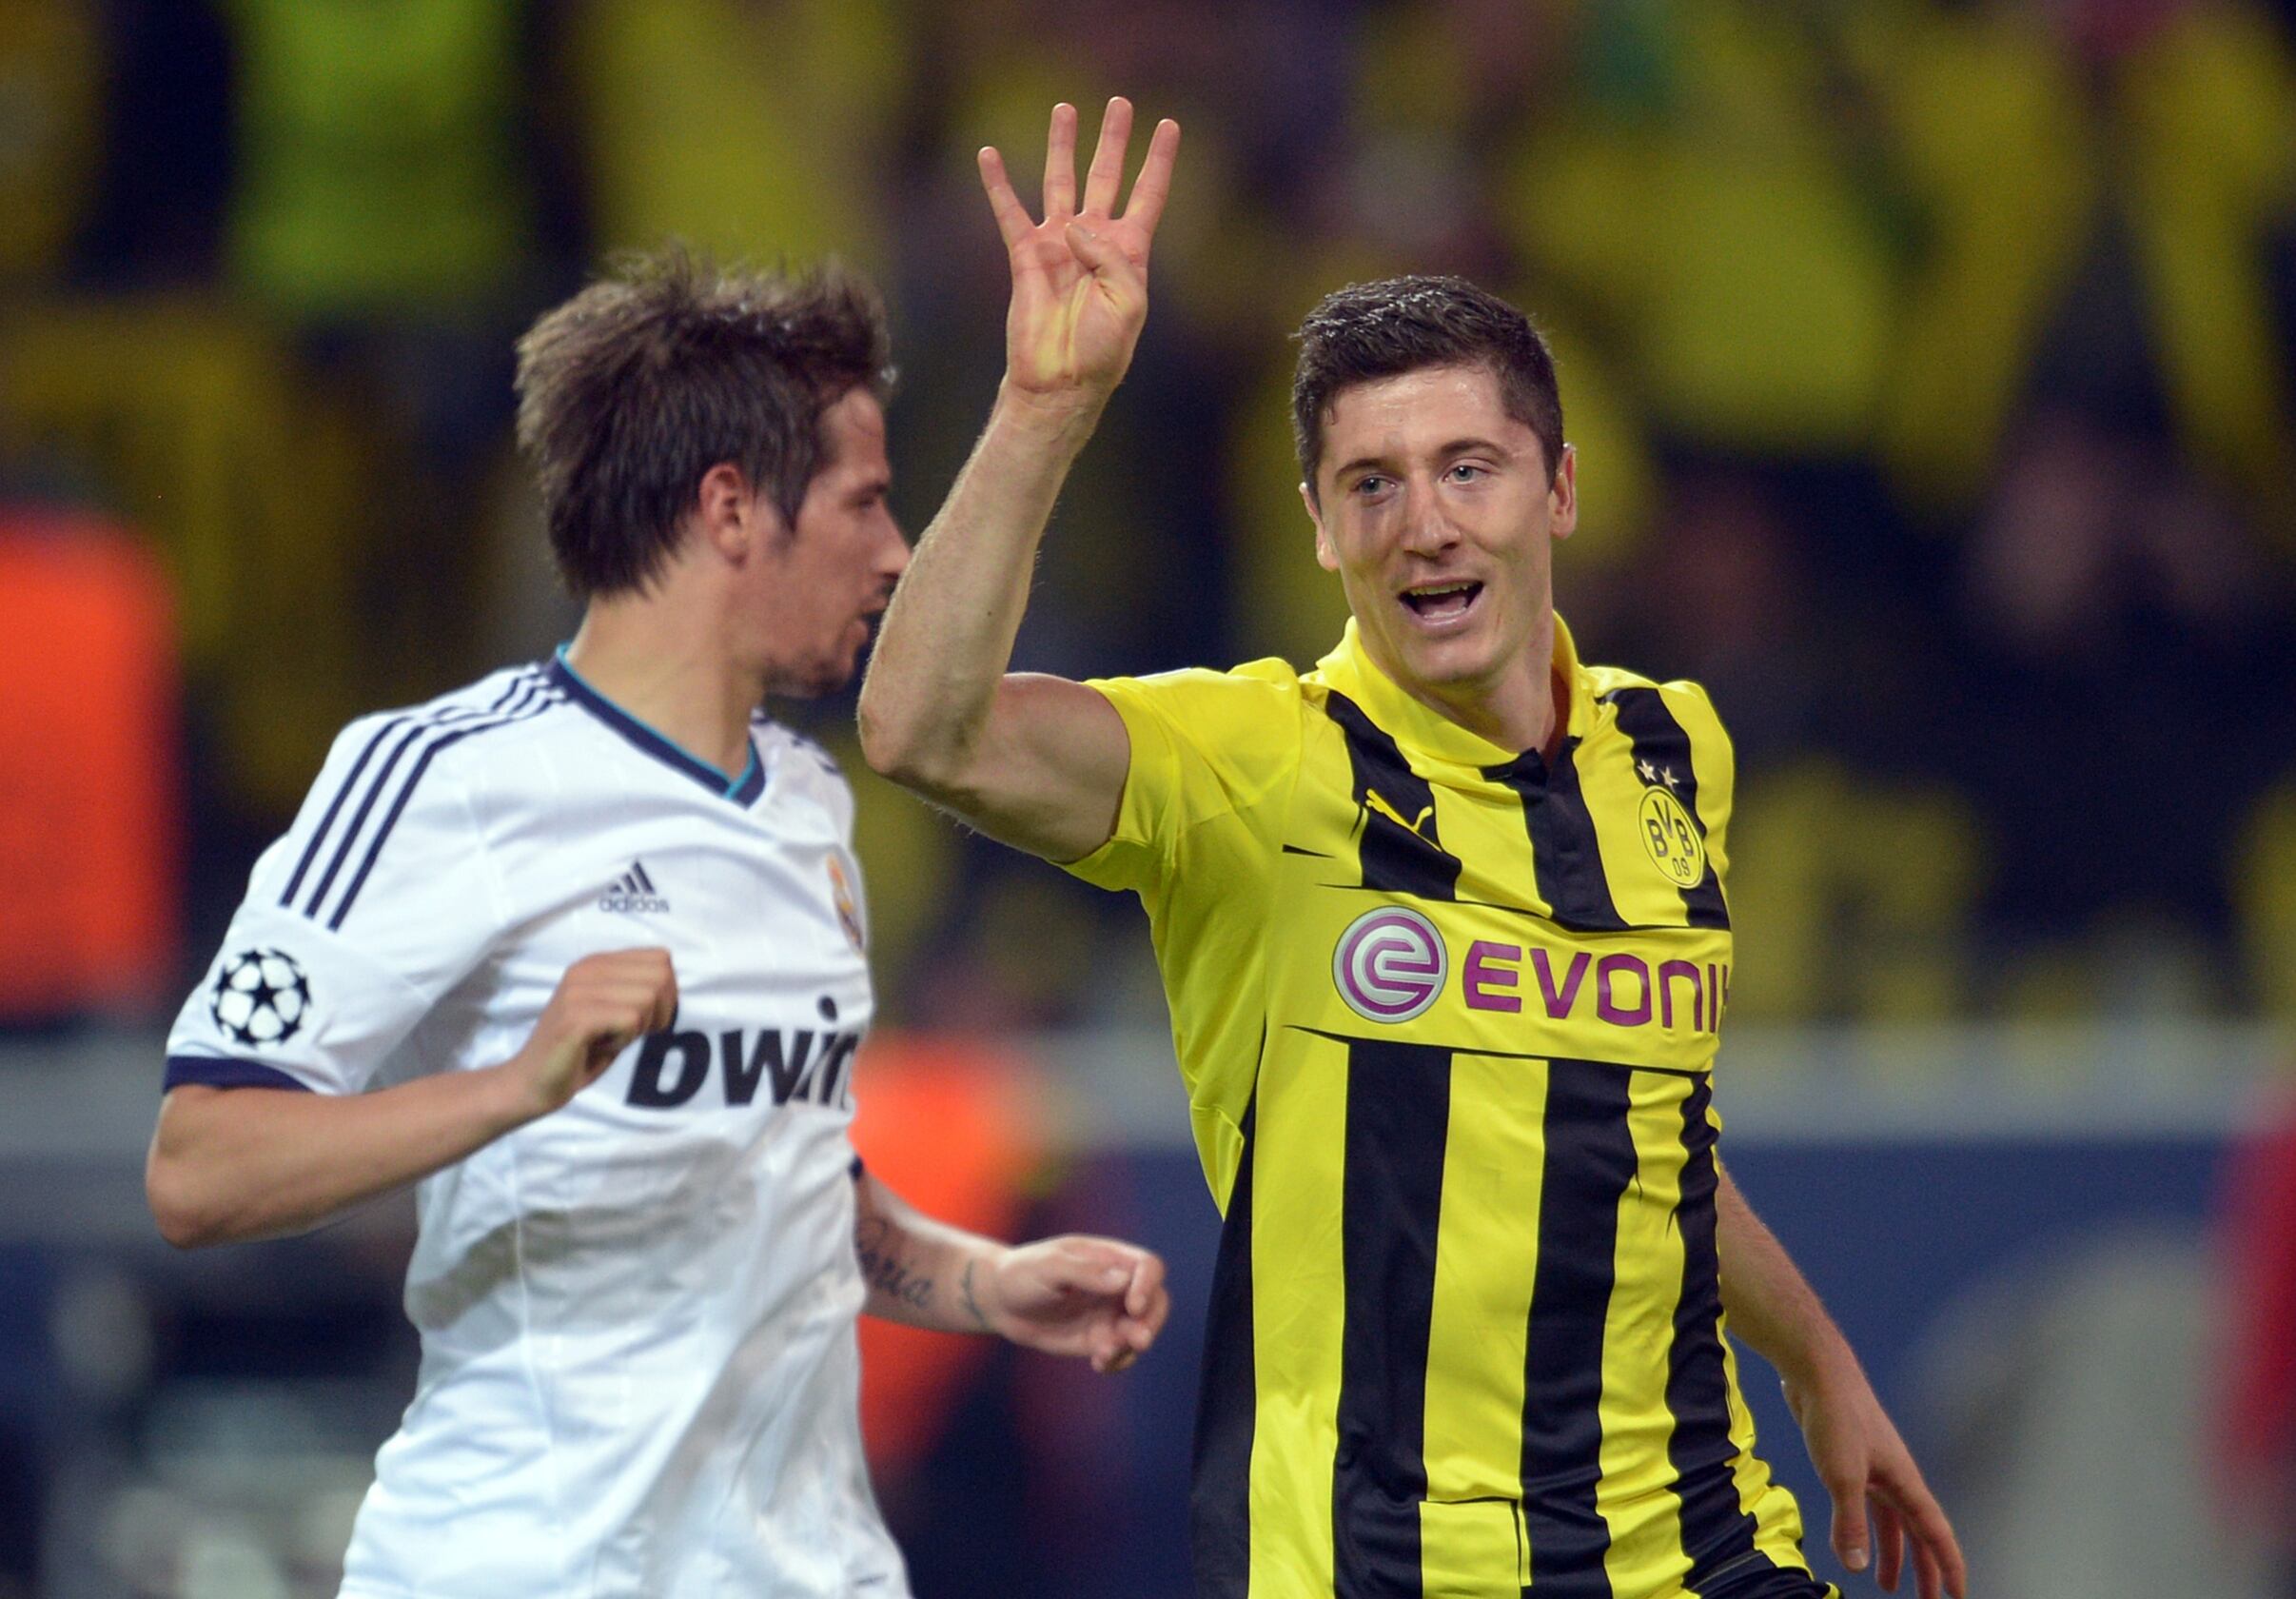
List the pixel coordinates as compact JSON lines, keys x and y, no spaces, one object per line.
{"x":849,"y":908}
{"x":1671,"y":838}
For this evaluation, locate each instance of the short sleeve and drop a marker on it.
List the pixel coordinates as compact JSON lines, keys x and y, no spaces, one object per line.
{"x":378,"y":900}
{"x":1214,"y":757}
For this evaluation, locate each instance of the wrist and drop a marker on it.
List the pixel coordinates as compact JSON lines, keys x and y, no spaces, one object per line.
{"x":981,"y":1288}
{"x":1819,"y":1362}
{"x":1060,"y":420}
{"x":507,"y":1097}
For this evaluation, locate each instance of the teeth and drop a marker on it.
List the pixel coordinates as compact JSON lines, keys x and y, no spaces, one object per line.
{"x":1439,"y":593}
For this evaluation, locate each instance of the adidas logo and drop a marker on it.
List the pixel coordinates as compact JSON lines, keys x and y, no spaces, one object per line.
{"x":633,"y":893}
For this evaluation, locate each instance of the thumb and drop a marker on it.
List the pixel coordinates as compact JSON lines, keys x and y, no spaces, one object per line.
{"x":1096,"y":253}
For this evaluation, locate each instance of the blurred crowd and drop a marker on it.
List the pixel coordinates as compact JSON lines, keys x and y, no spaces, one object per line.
{"x":1932,"y":363}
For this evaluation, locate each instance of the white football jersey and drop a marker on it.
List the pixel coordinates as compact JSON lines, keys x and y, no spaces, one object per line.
{"x":640,"y":1373}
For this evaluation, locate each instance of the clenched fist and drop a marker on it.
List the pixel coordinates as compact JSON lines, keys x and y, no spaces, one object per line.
{"x":601,"y":1006}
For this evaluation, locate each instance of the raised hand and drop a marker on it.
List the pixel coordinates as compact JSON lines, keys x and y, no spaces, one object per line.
{"x":601,"y":1005}
{"x":1080,"y":276}
{"x":1075,"y":1295}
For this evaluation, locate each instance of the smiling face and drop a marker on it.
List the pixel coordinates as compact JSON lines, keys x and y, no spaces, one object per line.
{"x":819,"y":582}
{"x":1435,"y":509}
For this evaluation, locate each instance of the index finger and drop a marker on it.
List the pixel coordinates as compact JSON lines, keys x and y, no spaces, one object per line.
{"x":1012,"y":216}
{"x":1154,"y":183}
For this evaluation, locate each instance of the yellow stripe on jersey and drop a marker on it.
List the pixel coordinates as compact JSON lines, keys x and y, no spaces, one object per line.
{"x":1447,"y":1015}
{"x":1297,"y":1178}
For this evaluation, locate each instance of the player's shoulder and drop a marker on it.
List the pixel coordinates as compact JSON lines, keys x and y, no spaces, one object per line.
{"x":790,"y":756}
{"x":1678,"y":697}
{"x":1665,"y":721}
{"x":1254,"y":688}
{"x":396,"y":797}
{"x":778,"y":738}
{"x":796,"y":763}
{"x":449,"y":735}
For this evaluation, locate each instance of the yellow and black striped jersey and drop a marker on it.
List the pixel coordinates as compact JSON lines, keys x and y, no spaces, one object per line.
{"x":1446,"y":1016}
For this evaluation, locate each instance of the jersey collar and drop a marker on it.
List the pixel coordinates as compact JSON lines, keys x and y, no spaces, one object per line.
{"x":742,"y":789}
{"x":1349,"y":669}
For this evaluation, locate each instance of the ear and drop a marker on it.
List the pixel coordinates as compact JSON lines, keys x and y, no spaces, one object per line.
{"x":1562,"y":496}
{"x":732,"y":518}
{"x":1325,"y":556}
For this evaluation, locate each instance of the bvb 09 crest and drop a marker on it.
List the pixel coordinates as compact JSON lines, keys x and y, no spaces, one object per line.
{"x":1673,"y":840}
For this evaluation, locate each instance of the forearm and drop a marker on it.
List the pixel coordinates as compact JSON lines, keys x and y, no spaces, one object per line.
{"x":947,"y":639}
{"x":232,"y":1164}
{"x":921,"y":1273}
{"x":1769,"y":1303}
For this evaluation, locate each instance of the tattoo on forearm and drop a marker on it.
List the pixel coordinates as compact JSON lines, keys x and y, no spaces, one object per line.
{"x":973,"y":1306}
{"x":882,"y":1270}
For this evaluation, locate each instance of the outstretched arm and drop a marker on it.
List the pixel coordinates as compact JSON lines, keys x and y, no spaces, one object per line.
{"x":1094,"y":1297}
{"x":1036,"y":762}
{"x":1854,"y":1445}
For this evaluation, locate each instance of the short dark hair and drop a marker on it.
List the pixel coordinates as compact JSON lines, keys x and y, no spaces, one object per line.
{"x":631,"y":390}
{"x":1401,"y":324}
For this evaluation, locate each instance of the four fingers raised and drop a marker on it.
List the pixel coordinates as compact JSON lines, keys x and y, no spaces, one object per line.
{"x":1102,"y":182}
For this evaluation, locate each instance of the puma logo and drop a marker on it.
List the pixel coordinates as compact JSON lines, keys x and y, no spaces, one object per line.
{"x":1374,"y":800}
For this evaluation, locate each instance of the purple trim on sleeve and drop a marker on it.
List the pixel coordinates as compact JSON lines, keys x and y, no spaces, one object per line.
{"x":220,"y":1071}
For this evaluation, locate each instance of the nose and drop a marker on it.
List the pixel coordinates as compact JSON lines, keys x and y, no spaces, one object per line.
{"x":893,"y":550}
{"x":1426,"y":530}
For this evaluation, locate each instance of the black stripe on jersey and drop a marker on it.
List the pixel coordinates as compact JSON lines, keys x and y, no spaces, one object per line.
{"x":1590,"y":1161}
{"x":1564,"y":855}
{"x":1396,"y":857}
{"x":1226,"y":1403}
{"x":343,"y":791}
{"x":414,"y":725}
{"x":525,"y":711}
{"x":1659,"y":739}
{"x":1399,"y":1113}
{"x":1717,"y":1534}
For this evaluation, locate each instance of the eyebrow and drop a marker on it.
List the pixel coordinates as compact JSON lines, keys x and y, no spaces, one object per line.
{"x":1471,"y":445}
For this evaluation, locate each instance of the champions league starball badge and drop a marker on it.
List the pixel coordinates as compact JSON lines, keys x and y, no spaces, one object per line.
{"x":261,"y":997}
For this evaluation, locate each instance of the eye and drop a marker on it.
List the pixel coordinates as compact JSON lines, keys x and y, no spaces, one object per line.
{"x":1368,"y":486}
{"x":1467,"y":471}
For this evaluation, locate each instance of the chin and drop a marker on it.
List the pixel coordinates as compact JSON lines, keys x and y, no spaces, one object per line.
{"x":1448,"y":664}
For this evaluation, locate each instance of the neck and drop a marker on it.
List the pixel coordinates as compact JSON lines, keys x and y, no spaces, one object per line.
{"x":1523,"y":708}
{"x":668,"y":672}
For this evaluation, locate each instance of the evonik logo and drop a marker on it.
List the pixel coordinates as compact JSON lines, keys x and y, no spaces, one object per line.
{"x":1391,"y":964}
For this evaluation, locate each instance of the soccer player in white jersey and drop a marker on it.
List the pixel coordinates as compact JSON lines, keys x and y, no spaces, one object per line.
{"x":581,"y":950}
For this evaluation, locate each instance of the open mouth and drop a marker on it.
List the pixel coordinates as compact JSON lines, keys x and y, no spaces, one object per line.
{"x":1442,"y":602}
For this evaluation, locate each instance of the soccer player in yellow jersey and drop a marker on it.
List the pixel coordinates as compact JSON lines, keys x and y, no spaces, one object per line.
{"x":1443,"y":928}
